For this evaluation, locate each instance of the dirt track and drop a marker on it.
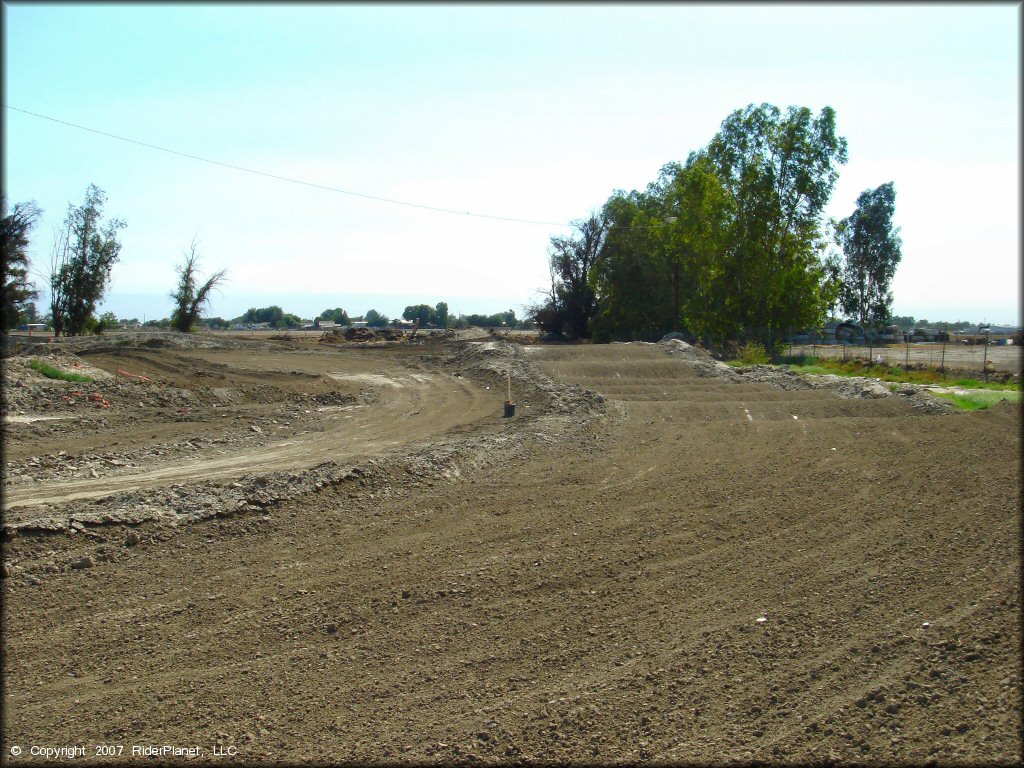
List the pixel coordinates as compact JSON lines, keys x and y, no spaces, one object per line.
{"x":392,"y":404}
{"x":708,"y":571}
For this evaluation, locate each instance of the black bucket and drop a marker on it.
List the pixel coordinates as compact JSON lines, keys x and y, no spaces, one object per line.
{"x":510,"y":409}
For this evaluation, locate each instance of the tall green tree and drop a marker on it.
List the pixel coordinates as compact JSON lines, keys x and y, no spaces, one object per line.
{"x":631,"y":274}
{"x":83,"y":256}
{"x":698,"y":239}
{"x":18,"y":291}
{"x":779,"y":170}
{"x":872,"y":250}
{"x":189,"y":297}
{"x":729,"y":243}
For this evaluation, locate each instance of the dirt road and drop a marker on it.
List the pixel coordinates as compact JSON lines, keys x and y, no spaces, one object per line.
{"x":706,"y":571}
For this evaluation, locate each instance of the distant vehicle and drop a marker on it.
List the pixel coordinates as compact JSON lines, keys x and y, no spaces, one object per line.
{"x":848,"y":331}
{"x":929,"y":334}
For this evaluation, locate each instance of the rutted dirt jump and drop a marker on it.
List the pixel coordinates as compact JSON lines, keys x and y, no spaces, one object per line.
{"x":348,"y":555}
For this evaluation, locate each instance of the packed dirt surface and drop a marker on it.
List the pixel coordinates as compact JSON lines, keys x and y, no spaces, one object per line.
{"x":657,"y":559}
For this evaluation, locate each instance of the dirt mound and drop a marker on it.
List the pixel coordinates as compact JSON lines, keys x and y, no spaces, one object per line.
{"x":26,"y":390}
{"x":849,"y":387}
{"x":361,"y":335}
{"x":703,"y":363}
{"x":153,"y":340}
{"x":495,"y":361}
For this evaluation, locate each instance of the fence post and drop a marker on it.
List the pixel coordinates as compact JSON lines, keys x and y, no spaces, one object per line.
{"x":942,"y":365}
{"x":984,"y":361}
{"x":906,"y":358}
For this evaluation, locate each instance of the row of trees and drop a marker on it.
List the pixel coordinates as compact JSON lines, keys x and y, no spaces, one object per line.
{"x":281,"y":320}
{"x":730,"y":241}
{"x":84,"y":252}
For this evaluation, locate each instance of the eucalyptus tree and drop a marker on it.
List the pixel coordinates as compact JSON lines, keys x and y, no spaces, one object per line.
{"x":872,"y":249}
{"x":84,"y":253}
{"x":778,"y":170}
{"x":631,"y":275}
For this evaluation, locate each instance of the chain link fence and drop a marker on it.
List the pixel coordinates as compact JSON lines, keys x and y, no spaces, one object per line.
{"x":968,"y":355}
{"x":976,"y":358}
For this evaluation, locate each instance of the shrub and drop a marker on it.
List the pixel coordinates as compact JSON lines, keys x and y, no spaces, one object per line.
{"x":753,"y":353}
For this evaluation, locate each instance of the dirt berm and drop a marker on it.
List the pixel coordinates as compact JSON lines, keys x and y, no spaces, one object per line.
{"x":646,"y":564}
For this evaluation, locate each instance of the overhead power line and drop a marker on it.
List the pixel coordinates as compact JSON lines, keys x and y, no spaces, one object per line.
{"x":286,"y":178}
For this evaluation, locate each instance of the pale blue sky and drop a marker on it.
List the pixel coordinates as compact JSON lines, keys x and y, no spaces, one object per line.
{"x":531,"y":112}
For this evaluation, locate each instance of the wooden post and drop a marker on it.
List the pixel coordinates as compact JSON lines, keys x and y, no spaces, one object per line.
{"x":984,"y":361}
{"x":942,"y":365}
{"x":906,"y":359}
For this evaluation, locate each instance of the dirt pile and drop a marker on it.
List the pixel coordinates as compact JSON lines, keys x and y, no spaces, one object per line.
{"x":26,"y":389}
{"x":496,"y":360}
{"x":703,"y":363}
{"x":849,"y":387}
{"x":361,"y":335}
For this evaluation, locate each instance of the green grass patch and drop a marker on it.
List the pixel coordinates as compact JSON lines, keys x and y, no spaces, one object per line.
{"x":980,"y":399}
{"x":55,"y":373}
{"x":811,"y":364}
